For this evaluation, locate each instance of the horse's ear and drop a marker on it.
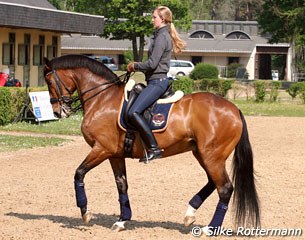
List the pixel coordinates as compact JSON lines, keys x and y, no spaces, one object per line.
{"x":47,"y":64}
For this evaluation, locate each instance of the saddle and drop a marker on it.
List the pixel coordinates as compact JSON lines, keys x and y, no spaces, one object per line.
{"x":156,"y":115}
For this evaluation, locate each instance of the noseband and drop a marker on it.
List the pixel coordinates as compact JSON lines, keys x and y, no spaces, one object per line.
{"x":59,"y":83}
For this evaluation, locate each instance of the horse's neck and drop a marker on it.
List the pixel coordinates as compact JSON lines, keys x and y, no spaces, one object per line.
{"x":102,"y":98}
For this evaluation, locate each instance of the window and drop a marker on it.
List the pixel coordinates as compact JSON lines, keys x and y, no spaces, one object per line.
{"x":8,"y":51}
{"x":24,"y":51}
{"x":202,"y":34}
{"x":197,"y":59}
{"x":39,"y":52}
{"x":52,"y":49}
{"x":233,"y":60}
{"x":185,"y":64}
{"x":238,"y":35}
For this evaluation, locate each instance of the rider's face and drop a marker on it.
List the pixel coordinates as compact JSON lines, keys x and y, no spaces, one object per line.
{"x":157,"y":21}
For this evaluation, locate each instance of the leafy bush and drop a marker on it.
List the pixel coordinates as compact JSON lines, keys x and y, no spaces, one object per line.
{"x":217,"y":86}
{"x":293,"y":90}
{"x":301,"y":86}
{"x":18,"y":98}
{"x":223,"y":87}
{"x":260,"y":91}
{"x":274,"y":90}
{"x":5,"y":103}
{"x":232,"y":69}
{"x":204,"y":71}
{"x":184,"y":84}
{"x":11,"y":102}
{"x":208,"y":85}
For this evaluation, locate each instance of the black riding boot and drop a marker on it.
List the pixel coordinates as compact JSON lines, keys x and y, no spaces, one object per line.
{"x":148,"y":137}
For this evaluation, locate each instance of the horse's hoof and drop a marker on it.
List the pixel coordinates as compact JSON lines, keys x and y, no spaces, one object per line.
{"x":118,"y":226}
{"x":189,"y":220}
{"x":87,"y":216}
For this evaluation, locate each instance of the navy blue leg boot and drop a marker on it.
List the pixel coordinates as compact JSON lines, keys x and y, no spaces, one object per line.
{"x":219,"y":215}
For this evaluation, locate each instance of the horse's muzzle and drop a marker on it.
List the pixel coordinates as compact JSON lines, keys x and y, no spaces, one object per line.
{"x":65,"y":111}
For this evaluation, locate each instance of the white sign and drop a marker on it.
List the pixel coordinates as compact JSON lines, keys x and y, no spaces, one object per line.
{"x":42,"y":107}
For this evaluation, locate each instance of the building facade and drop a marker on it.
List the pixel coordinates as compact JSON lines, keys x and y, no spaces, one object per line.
{"x":216,"y":42}
{"x":31,"y":30}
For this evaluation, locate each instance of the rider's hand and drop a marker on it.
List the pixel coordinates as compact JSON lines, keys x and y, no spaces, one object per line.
{"x":130,"y":67}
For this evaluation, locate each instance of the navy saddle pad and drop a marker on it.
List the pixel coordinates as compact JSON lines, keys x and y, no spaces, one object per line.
{"x":159,"y":116}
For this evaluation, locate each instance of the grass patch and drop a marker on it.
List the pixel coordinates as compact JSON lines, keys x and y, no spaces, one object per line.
{"x":10,"y":143}
{"x":66,"y":126}
{"x":284,"y":109}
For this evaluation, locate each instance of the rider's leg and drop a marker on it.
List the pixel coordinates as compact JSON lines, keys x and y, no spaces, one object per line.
{"x":148,"y":137}
{"x":147,"y":97}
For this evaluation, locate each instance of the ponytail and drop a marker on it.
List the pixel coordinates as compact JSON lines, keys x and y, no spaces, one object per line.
{"x":178,"y":43}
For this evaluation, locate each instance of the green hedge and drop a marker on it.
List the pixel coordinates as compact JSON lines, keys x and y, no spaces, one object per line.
{"x":184,"y":84}
{"x":204,"y":71}
{"x":11,"y":102}
{"x":232,"y":69}
{"x":217,"y":86}
{"x":297,"y":89}
{"x":260,"y":90}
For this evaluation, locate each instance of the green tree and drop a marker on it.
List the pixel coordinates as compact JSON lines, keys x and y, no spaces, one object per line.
{"x":67,"y":5}
{"x":246,"y":10}
{"x":238,"y":10}
{"x":132,"y":19}
{"x":287,"y":19}
{"x":287,"y":25}
{"x":55,"y":3}
{"x":201,"y":9}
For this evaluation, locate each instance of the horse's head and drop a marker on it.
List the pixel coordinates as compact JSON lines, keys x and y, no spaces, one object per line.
{"x":61,"y":87}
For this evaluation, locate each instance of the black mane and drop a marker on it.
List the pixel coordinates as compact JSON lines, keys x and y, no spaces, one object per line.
{"x":81,"y":61}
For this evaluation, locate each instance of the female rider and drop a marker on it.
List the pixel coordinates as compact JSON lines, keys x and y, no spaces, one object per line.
{"x":164,"y":40}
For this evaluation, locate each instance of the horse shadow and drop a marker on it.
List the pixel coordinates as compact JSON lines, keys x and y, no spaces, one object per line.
{"x":102,"y":220}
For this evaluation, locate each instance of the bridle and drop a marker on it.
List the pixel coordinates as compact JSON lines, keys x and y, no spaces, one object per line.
{"x":59,"y":90}
{"x":68,"y":100}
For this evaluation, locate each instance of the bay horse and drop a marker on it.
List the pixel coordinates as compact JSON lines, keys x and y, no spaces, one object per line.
{"x":208,"y":125}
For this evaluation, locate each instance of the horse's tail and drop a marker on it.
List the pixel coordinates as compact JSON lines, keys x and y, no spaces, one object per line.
{"x":246,"y":201}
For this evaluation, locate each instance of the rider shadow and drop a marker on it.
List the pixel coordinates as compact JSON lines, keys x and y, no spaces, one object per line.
{"x":103,"y":220}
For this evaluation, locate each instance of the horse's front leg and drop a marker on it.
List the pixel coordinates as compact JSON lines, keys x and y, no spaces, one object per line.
{"x":94,"y":158}
{"x":119,"y":170}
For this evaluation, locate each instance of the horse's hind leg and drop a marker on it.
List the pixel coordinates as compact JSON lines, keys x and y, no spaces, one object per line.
{"x":199,"y":197}
{"x":224,"y":189}
{"x":196,"y":202}
{"x":218,"y":178}
{"x":119,"y":170}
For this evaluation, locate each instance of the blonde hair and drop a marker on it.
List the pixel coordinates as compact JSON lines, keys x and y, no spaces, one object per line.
{"x":166,"y":14}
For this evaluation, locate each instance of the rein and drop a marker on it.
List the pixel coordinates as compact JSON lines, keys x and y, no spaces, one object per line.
{"x":70,"y":100}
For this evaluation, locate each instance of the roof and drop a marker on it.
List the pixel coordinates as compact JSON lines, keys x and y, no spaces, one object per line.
{"x":42,"y":15}
{"x":218,"y":44}
{"x":78,"y":41}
